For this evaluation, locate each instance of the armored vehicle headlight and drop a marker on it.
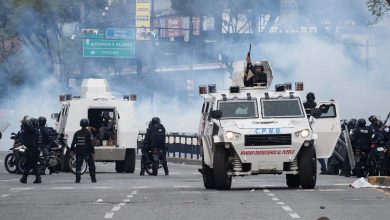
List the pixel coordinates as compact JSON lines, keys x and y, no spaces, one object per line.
{"x":305,"y":133}
{"x":232,"y":135}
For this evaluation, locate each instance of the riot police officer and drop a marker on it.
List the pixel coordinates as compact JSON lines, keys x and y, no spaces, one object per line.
{"x":29,"y":136}
{"x":360,"y":140}
{"x":83,"y":146}
{"x":44,"y":142}
{"x":309,"y":105}
{"x":154,"y":137}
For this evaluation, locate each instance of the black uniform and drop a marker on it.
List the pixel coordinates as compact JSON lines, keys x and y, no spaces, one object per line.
{"x":106,"y":130}
{"x":83,"y":146}
{"x":151,"y":142}
{"x":30,"y":137}
{"x":258,"y":77}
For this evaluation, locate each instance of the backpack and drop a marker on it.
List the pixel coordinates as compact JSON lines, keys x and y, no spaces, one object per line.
{"x":157,"y":136}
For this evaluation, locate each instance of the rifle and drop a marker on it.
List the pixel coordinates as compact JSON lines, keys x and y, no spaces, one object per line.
{"x":387,"y":118}
{"x":249,"y":52}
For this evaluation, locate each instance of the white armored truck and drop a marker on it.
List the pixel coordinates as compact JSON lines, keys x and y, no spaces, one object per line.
{"x":95,"y":102}
{"x":258,"y":130}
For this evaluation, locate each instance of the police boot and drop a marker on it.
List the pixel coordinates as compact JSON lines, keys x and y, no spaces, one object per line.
{"x":93,"y":177}
{"x":142,"y":173}
{"x":24,"y":179}
{"x":78,"y":178}
{"x":37,"y":179}
{"x":166,"y":171}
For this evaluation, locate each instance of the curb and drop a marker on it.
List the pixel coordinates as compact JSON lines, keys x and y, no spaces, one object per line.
{"x":179,"y":160}
{"x":379,"y":180}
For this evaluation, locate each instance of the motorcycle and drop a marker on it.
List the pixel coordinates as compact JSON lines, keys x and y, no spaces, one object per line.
{"x":153,"y":161}
{"x":378,"y":157}
{"x":69,"y":161}
{"x":12,"y":160}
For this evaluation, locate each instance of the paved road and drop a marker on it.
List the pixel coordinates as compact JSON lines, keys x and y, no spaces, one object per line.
{"x":182,"y":196}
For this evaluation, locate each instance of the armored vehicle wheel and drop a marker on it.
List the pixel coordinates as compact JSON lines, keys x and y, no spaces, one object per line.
{"x":208,"y":177}
{"x":120,"y":166}
{"x":130,"y":161}
{"x":308,"y":167}
{"x":10,"y":163}
{"x":292,"y":180}
{"x":222,"y":180}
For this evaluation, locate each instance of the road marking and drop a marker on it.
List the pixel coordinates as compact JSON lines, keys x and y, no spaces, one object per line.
{"x":126,"y":200}
{"x":266,"y":190}
{"x":109,"y":215}
{"x":140,"y":187}
{"x":275,"y":199}
{"x":189,"y":191}
{"x":286,"y":208}
{"x":309,"y":190}
{"x":294,"y":215}
{"x":115,"y":208}
{"x":21,"y":189}
{"x":122,"y":204}
{"x":331,"y":190}
{"x":342,"y":184}
{"x":134,"y":192}
{"x":4,"y":195}
{"x":129,"y":196}
{"x":10,"y":180}
{"x":63,"y":187}
{"x":181,"y":186}
{"x":270,"y":194}
{"x":99,"y":200}
{"x":280,"y":203}
{"x":103,"y":187}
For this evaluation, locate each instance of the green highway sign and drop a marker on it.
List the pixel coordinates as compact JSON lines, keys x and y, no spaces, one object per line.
{"x":118,"y":48}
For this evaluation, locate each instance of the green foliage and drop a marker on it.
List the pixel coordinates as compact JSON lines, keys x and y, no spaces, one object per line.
{"x":378,"y":8}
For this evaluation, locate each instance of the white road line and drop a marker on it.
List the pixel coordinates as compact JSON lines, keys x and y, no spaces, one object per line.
{"x":10,"y":180}
{"x":286,"y":208}
{"x":126,"y":200}
{"x":109,"y":215}
{"x":270,"y":194}
{"x":103,"y":187}
{"x":280,"y":203}
{"x":115,"y":208}
{"x":4,"y":195}
{"x":129,"y":196}
{"x":294,"y":215}
{"x":342,"y":184}
{"x":122,"y":204}
{"x":191,"y":192}
{"x":331,"y":190}
{"x":99,"y":200}
{"x":275,"y":199}
{"x":309,"y":190}
{"x":140,"y":187}
{"x":21,"y":189}
{"x":181,"y":186}
{"x":63,"y":187}
{"x":134,"y":192}
{"x":266,"y":190}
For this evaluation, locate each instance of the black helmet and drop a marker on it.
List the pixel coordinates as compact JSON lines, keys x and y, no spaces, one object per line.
{"x":155,"y":120}
{"x":373,"y":119}
{"x":361,"y":123}
{"x":310,"y":96}
{"x":42,"y":121}
{"x":352,"y":123}
{"x":84,"y":123}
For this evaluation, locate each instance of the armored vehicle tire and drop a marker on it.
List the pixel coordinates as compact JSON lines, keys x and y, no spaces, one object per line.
{"x":293,"y":181}
{"x":10,"y":163}
{"x":130,"y":161}
{"x":308,"y":167}
{"x":222,"y":180}
{"x":120,"y":166}
{"x":208,"y":177}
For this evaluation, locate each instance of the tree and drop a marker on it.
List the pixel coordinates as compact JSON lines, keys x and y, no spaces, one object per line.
{"x":378,"y":8}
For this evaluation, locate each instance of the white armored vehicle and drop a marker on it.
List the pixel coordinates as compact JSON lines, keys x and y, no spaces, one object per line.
{"x":258,"y":130}
{"x":95,"y":103}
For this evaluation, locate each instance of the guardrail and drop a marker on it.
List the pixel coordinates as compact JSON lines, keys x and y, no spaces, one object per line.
{"x":180,"y":145}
